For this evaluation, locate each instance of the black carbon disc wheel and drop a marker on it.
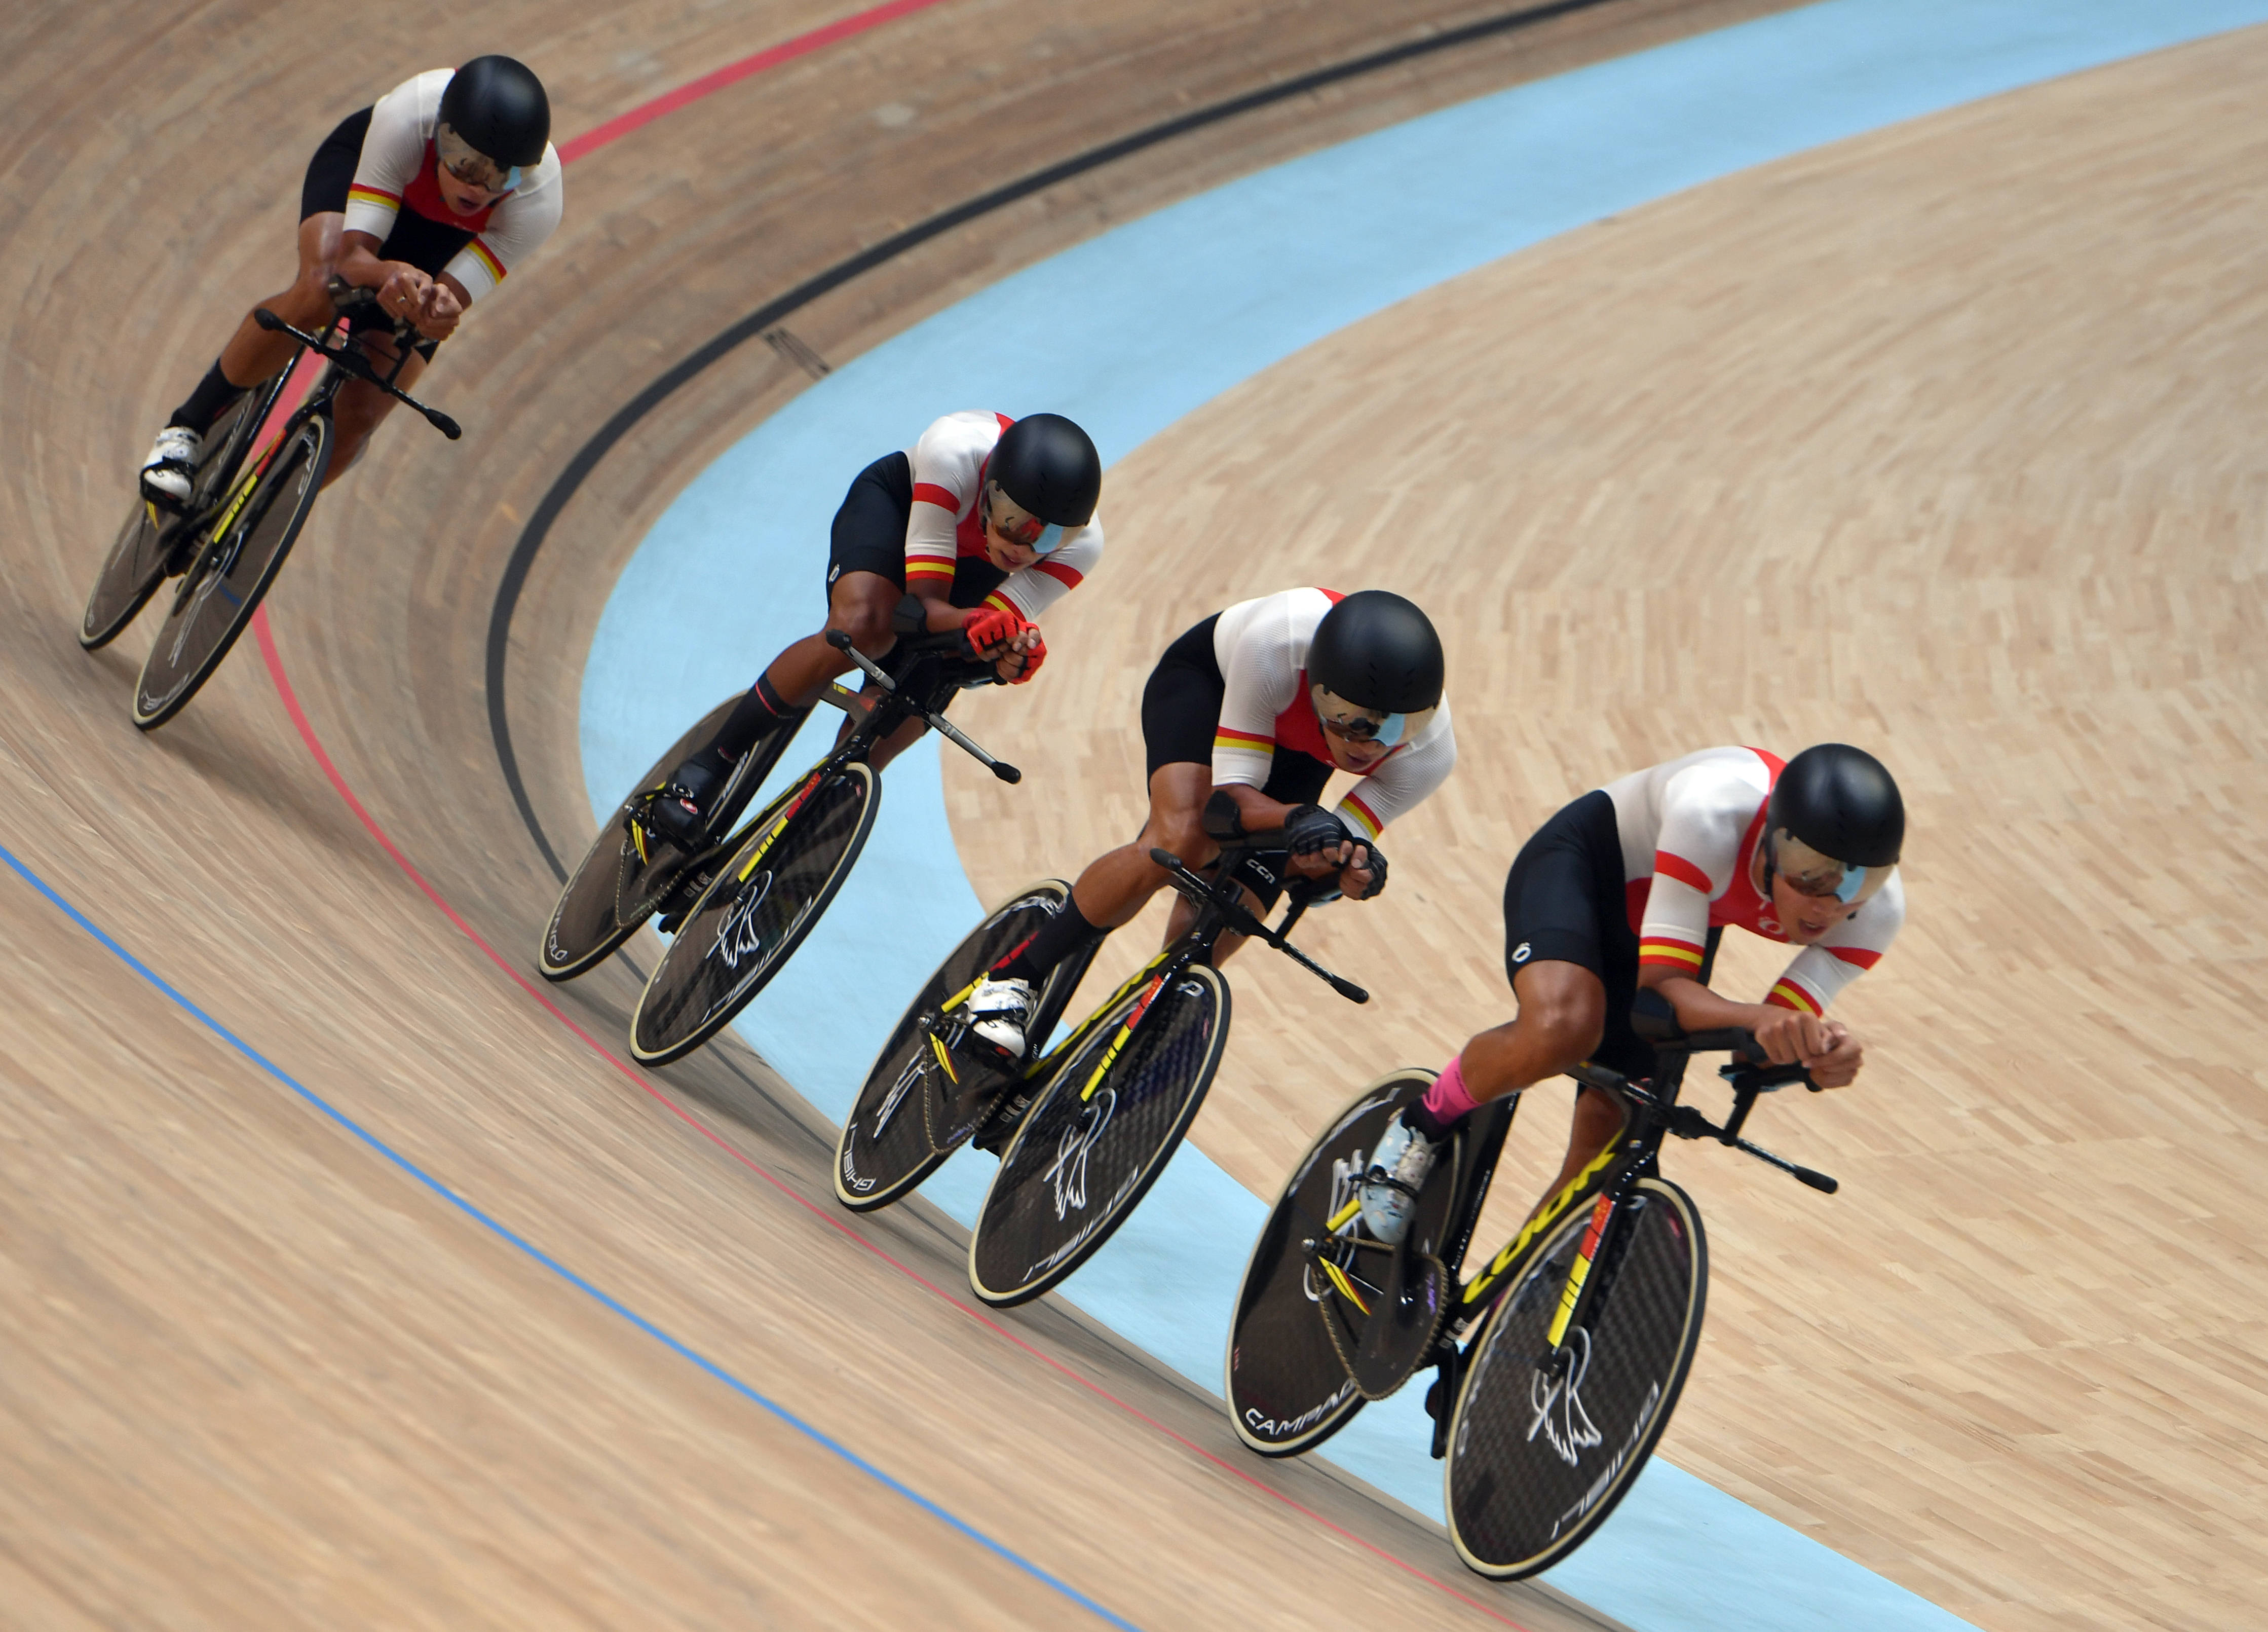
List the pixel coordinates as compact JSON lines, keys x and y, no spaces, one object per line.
{"x":253,"y":534}
{"x":617,"y":886}
{"x":755,"y":912}
{"x":136,"y":565}
{"x":1288,"y":1383}
{"x":1112,"y":1115}
{"x":898,"y":1133}
{"x":1545,"y":1442}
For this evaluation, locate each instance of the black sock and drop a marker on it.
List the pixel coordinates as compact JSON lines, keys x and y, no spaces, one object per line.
{"x":208,"y":402}
{"x":1063,"y":934}
{"x":1418,"y":1117}
{"x":758,"y":714}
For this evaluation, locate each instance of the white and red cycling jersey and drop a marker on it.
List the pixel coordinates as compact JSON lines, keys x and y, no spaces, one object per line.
{"x":1689,"y":830}
{"x":1262,"y":648}
{"x":947,"y":529}
{"x":396,"y":174}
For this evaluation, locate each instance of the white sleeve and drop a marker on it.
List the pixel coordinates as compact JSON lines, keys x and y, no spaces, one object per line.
{"x":1706,"y":810}
{"x":1030,"y":591}
{"x":517,"y":228}
{"x":1817,"y":974}
{"x":1404,"y":780}
{"x":391,"y":150}
{"x":1260,"y":677}
{"x":945,"y":465}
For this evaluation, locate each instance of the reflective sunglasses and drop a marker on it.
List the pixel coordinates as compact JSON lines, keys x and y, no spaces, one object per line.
{"x":461,"y":159}
{"x":1821,"y":876}
{"x":1003,"y":516}
{"x":1366,"y":725}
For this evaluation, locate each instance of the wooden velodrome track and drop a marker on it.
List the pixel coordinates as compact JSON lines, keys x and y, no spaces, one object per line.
{"x":1943,"y":441}
{"x":255,"y":1373}
{"x":1822,"y":450}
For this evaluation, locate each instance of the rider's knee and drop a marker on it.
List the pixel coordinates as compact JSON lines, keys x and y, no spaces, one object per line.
{"x":865,"y":618}
{"x":1571,"y":1020}
{"x":1183,"y":832}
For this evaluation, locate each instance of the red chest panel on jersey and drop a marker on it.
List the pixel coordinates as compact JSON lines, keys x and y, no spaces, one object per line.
{"x":424,"y":195}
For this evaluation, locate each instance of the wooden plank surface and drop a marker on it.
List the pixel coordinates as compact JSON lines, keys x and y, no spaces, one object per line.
{"x":253,"y":1375}
{"x":1943,"y":441}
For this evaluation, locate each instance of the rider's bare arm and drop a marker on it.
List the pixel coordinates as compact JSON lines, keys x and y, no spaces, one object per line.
{"x":1788,"y":1036}
{"x":434,"y":304}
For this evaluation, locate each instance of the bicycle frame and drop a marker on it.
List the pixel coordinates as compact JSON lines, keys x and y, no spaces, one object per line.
{"x":346,"y":356}
{"x":922,"y":692}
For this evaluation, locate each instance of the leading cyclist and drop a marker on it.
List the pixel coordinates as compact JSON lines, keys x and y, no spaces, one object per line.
{"x":1627,"y":890}
{"x":1244,"y":720}
{"x":430,"y":197}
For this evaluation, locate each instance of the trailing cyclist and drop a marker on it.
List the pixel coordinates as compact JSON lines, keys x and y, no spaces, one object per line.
{"x":1629,"y":889}
{"x":980,"y":527}
{"x":1243,"y":719}
{"x":429,"y":197}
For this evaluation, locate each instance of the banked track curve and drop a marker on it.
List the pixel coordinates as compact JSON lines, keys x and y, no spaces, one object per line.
{"x":329,"y":964}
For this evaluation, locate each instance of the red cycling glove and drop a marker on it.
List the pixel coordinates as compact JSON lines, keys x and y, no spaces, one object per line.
{"x":1032,"y":661}
{"x":991,"y":626}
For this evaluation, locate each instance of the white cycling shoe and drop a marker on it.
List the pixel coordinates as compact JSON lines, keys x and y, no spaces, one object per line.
{"x":1399,"y":1169}
{"x":167,"y":473}
{"x":1000,"y":1010}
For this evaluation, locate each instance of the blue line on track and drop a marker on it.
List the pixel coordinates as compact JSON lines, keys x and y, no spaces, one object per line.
{"x":506,"y":1233}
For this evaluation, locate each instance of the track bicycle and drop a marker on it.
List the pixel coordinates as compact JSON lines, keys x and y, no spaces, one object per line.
{"x":1088,"y":1127}
{"x":229,"y":540}
{"x":1559,"y":1361}
{"x":740,"y":909}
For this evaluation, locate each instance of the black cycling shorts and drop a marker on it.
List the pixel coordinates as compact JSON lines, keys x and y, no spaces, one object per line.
{"x":425,"y":244}
{"x":1181,"y":711}
{"x":1566,"y":901}
{"x":869,"y":534}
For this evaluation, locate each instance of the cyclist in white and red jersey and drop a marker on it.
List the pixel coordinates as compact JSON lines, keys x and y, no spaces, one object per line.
{"x":430,"y":197}
{"x":980,"y":527}
{"x":1244,"y":720}
{"x":1628,"y":889}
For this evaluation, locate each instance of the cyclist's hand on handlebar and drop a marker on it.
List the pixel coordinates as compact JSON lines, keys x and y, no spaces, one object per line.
{"x":1825,"y":1047}
{"x":989,"y":628}
{"x":437,"y":315}
{"x":1365,"y":872}
{"x":1025,"y":654}
{"x":403,"y":295}
{"x":1838,"y":1068}
{"x":1312,"y":831}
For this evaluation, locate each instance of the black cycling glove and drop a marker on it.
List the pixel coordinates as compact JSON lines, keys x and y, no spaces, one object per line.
{"x":1377,"y":866}
{"x":1310,"y":828}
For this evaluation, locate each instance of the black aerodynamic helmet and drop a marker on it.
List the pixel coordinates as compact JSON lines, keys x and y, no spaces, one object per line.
{"x":1378,"y":650}
{"x":1049,"y":468}
{"x":1836,"y":823}
{"x":496,"y":105}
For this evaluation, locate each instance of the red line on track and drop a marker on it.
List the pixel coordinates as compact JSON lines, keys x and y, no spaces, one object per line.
{"x":590,"y":141}
{"x":669,"y":101}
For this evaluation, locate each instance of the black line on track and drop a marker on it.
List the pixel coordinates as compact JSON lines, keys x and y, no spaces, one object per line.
{"x":772,"y":313}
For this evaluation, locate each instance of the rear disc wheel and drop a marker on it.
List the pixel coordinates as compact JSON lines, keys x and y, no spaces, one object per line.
{"x":897,"y":1134}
